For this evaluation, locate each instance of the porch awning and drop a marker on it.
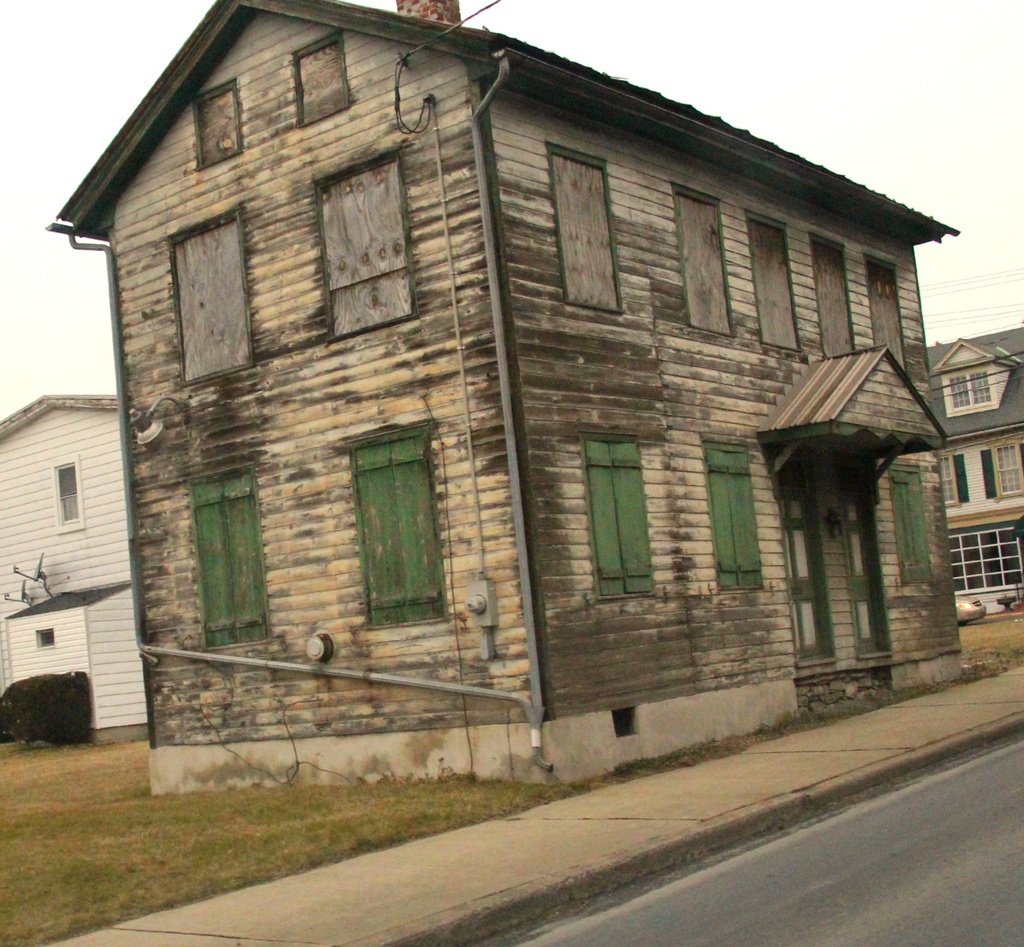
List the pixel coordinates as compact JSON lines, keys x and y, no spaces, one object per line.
{"x":862,"y":403}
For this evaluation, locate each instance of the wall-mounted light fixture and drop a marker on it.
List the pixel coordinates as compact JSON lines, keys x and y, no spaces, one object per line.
{"x":144,"y":423}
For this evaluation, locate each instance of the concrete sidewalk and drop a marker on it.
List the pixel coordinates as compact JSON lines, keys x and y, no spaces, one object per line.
{"x":464,"y":886}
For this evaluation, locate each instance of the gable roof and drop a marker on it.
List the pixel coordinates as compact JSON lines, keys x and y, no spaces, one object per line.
{"x":537,"y":74}
{"x":1005,"y":348}
{"x":48,"y":403}
{"x":863,"y":401}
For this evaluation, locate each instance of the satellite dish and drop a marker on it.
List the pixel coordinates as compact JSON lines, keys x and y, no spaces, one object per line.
{"x":39,"y":568}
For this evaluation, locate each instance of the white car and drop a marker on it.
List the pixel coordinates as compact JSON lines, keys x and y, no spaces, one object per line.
{"x":969,"y":609}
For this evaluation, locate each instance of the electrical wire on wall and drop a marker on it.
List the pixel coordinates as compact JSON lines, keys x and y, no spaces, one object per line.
{"x":422,"y":122}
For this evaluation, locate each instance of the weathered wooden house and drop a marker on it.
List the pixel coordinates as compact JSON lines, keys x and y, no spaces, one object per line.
{"x":498,"y":413}
{"x":67,"y":599}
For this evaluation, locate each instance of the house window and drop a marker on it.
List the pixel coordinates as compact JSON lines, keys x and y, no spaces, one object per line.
{"x":833,"y":300}
{"x":703,"y":264}
{"x":770,"y":263}
{"x":398,"y":538}
{"x":213,"y":312}
{"x":733,"y":521}
{"x":618,"y":518}
{"x":45,"y":638}
{"x":218,"y":133}
{"x":911,"y":525}
{"x":986,"y":559}
{"x":884,"y":306}
{"x":321,"y":88}
{"x":365,"y":250}
{"x":966,"y":391}
{"x":69,"y":500}
{"x":1008,"y":468}
{"x":1001,"y":470}
{"x":954,"y":479}
{"x":229,"y":560}
{"x":585,"y":244}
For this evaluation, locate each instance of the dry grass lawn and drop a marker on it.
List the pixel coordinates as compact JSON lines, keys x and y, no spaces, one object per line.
{"x":83,"y":844}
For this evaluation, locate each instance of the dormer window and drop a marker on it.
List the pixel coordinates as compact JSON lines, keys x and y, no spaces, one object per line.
{"x":968,"y":391}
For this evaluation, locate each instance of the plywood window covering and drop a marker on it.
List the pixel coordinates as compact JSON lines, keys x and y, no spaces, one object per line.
{"x":210,"y":283}
{"x":618,"y":517}
{"x":884,"y":306}
{"x":770,"y":263}
{"x":398,"y":537}
{"x":69,"y":509}
{"x":703,"y":265}
{"x":733,"y":521}
{"x":218,"y":129}
{"x":584,"y":232}
{"x":320,"y":81}
{"x":833,"y":300}
{"x":229,"y":560}
{"x":911,"y":525}
{"x":365,"y":252}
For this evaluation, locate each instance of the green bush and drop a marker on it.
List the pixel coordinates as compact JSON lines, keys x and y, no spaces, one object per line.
{"x":50,"y":708}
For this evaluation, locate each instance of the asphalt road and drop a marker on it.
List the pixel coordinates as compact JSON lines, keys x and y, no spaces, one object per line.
{"x":939,"y":863}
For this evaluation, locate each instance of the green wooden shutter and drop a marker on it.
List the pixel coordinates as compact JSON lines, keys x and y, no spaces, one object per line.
{"x":988,"y":472}
{"x":229,"y":549}
{"x":911,"y":526}
{"x":960,"y":471}
{"x":398,"y":534}
{"x":733,"y":520}
{"x":618,"y":517}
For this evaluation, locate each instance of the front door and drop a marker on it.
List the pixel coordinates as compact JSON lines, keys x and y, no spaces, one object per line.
{"x":863,"y":566}
{"x":805,"y":566}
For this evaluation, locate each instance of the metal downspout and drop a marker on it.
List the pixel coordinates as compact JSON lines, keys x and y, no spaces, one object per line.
{"x":124,"y":426}
{"x":505,"y":387}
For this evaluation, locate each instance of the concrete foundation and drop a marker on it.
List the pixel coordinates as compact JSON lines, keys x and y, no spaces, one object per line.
{"x":946,"y":667}
{"x":579,"y":747}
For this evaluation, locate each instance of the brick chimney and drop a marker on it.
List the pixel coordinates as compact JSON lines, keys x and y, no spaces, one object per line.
{"x":444,"y":11}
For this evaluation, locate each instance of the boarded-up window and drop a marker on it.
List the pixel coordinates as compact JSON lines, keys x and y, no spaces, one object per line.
{"x":833,"y":301}
{"x":885,"y":310}
{"x":911,"y":525}
{"x":401,"y":555}
{"x":229,"y":560}
{"x":584,"y":233}
{"x":218,"y":135}
{"x":770,"y":264}
{"x":321,"y":85}
{"x":703,"y":268}
{"x":733,"y":522}
{"x":365,"y":250}
{"x":210,"y":283}
{"x":618,"y":519}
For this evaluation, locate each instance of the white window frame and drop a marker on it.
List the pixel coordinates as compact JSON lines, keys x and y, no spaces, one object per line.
{"x":1008,"y":475}
{"x":67,"y":524}
{"x":948,"y":475}
{"x":969,"y":391}
{"x":46,"y":638}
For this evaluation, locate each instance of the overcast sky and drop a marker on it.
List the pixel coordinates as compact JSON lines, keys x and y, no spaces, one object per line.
{"x":917,"y":99}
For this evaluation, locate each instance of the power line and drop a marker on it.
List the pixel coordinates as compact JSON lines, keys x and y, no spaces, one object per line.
{"x":972,"y":279}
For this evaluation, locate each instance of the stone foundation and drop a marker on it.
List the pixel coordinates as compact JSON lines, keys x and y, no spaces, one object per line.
{"x":819,"y":693}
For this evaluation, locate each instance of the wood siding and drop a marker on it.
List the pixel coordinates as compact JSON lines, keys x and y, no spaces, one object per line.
{"x":655,"y":372}
{"x":294,"y":415}
{"x":100,"y":639}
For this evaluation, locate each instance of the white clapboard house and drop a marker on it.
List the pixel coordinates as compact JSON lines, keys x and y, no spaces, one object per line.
{"x":64,"y":575}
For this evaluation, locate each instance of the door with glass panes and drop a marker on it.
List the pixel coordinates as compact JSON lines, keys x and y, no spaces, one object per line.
{"x":863,"y":567}
{"x":805,"y":566}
